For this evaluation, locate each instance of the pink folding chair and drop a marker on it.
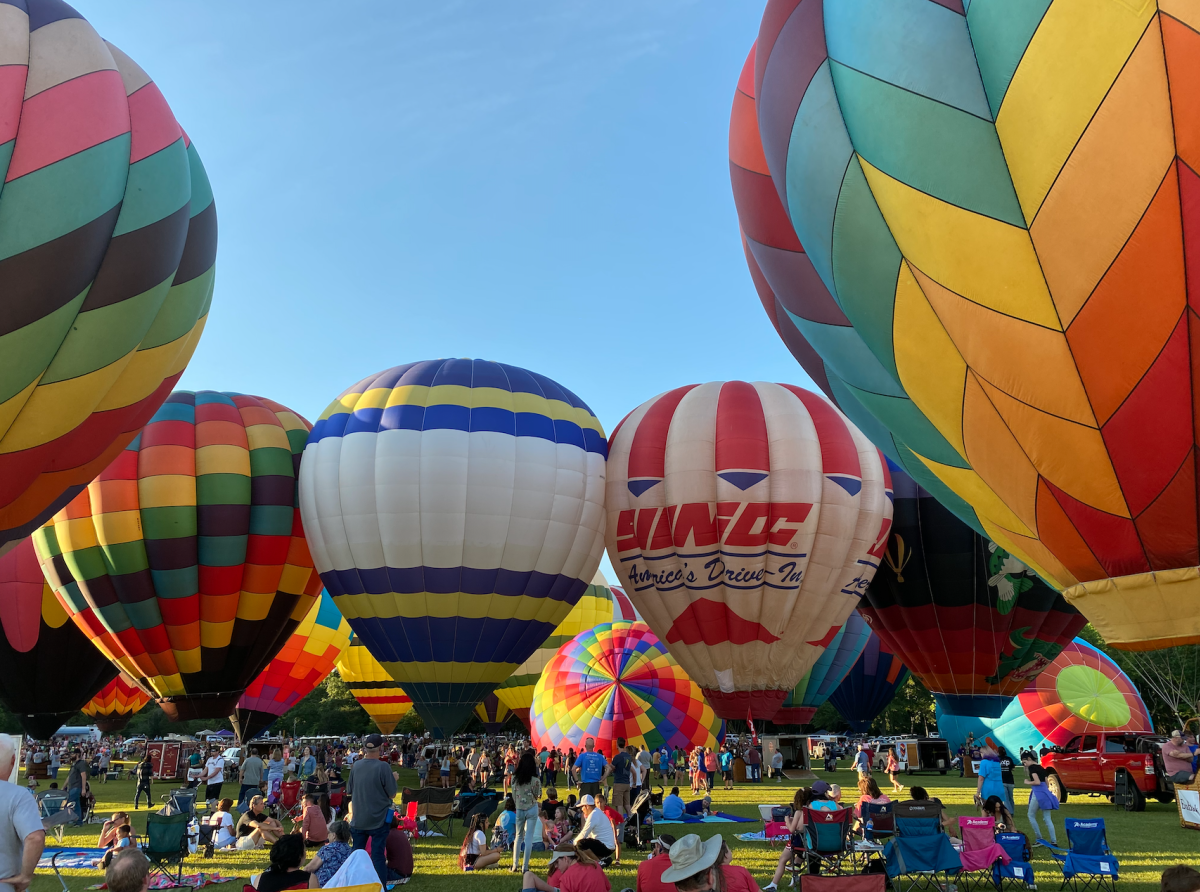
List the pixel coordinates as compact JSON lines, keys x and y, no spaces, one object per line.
{"x":979,"y":852}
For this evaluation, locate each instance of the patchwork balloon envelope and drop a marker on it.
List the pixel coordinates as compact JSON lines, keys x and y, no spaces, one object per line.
{"x":376,"y":691}
{"x":108,"y":239}
{"x":599,"y":604}
{"x":744,"y":521}
{"x":869,"y":686}
{"x":116,"y":703}
{"x":304,"y":661}
{"x":819,"y":683}
{"x":1083,"y":691}
{"x":185,"y":560}
{"x":48,"y":668}
{"x":617,"y":680}
{"x":1004,"y":206}
{"x":456,"y":512}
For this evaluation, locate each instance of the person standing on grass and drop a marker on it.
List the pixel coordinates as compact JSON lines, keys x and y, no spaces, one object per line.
{"x":727,"y":767}
{"x":591,"y":768}
{"x":893,"y":769}
{"x":621,"y":777}
{"x":777,"y":765}
{"x":214,"y":775}
{"x":1041,"y":799}
{"x":372,"y":787}
{"x":22,"y":837}
{"x":75,"y":788}
{"x":144,"y":771}
{"x":250,"y":773}
{"x":526,"y":791}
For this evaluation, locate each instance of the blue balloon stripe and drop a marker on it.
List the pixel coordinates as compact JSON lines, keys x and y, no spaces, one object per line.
{"x":446,"y":581}
{"x":449,"y":639}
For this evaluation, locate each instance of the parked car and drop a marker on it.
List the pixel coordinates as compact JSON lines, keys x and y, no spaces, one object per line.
{"x":1092,"y":763}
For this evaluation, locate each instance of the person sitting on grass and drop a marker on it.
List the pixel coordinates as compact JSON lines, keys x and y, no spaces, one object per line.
{"x":672,"y":806}
{"x":474,"y":853}
{"x":572,"y":869}
{"x":331,"y":856}
{"x":285,"y":871}
{"x":618,"y":822}
{"x":699,"y":807}
{"x":796,"y":842}
{"x":108,"y":830}
{"x":256,"y":828}
{"x":562,"y":825}
{"x":597,"y":833}
{"x":314,"y":825}
{"x":220,"y":827}
{"x":129,"y":871}
{"x":1180,"y":878}
{"x":123,"y":840}
{"x":550,"y":804}
{"x":696,"y":865}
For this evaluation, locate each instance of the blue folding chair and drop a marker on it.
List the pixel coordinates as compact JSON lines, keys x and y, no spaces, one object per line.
{"x":1087,"y":862}
{"x":1019,"y":872}
{"x":879,"y":823}
{"x":920,"y":856}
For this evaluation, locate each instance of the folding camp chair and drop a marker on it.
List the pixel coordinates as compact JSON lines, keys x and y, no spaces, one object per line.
{"x":437,"y":808}
{"x":290,"y":803}
{"x":828,"y":834}
{"x":870,"y":882}
{"x":166,"y":844}
{"x":980,"y":852}
{"x":181,"y":802}
{"x":879,"y":823}
{"x":920,"y":855}
{"x":1087,"y":862}
{"x":56,"y":813}
{"x":1018,"y":873}
{"x":408,"y":822}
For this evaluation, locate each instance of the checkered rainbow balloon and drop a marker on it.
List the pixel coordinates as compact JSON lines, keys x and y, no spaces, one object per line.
{"x":617,"y":680}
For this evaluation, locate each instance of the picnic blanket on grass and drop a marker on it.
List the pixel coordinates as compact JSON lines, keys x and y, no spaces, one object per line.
{"x":720,"y":817}
{"x":190,"y":880}
{"x":760,"y":836}
{"x":71,"y":858}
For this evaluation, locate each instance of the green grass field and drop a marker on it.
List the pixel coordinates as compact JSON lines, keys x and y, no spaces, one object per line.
{"x":1145,"y":842}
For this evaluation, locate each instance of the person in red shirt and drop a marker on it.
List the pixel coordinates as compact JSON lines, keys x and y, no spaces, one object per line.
{"x":650,"y":871}
{"x":736,"y":877}
{"x":571,"y":870}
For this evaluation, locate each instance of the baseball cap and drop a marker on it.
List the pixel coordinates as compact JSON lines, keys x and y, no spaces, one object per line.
{"x":373,"y":741}
{"x":588,"y":800}
{"x":820,"y":787}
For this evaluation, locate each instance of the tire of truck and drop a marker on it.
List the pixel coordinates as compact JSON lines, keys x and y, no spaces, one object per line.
{"x":1137,"y":798}
{"x":1055,"y":784}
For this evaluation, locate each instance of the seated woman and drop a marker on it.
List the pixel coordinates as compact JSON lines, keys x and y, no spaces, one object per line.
{"x":505,"y":829}
{"x":123,"y":840}
{"x":796,"y":841}
{"x":314,"y":824}
{"x":220,"y":826}
{"x":868,"y":794}
{"x":550,"y":804}
{"x":995,"y":807}
{"x":256,"y":828}
{"x":331,"y":856}
{"x":920,"y":794}
{"x":108,"y":830}
{"x":474,"y":853}
{"x":572,"y":869}
{"x":285,"y":871}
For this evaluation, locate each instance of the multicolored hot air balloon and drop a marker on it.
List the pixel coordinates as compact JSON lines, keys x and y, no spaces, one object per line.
{"x":303,"y":662}
{"x":375,"y":690}
{"x":493,"y":714}
{"x":116,"y":704}
{"x":185,"y":561}
{"x":1082,"y":691}
{"x":869,"y":686}
{"x":108,"y":239}
{"x":972,"y":622}
{"x":455,"y":509}
{"x":599,"y":604}
{"x":1004,"y":206}
{"x":617,"y":680}
{"x":826,"y":674}
{"x":745,"y":520}
{"x":48,"y":669}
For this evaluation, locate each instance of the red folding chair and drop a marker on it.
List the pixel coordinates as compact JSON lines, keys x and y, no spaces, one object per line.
{"x":289,"y":799}
{"x":409,"y":821}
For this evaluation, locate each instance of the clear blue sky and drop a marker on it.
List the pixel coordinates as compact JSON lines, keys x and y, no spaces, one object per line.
{"x":541,"y":183}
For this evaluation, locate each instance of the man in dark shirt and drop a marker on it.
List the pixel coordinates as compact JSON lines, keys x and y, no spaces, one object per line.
{"x":372,"y":787}
{"x":75,"y":787}
{"x":620,"y":776}
{"x":145,"y":771}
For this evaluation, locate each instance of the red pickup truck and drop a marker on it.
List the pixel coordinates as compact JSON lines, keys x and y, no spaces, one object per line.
{"x":1090,"y":763}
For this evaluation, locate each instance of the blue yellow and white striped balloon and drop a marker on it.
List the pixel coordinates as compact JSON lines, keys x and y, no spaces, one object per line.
{"x":455,"y":511}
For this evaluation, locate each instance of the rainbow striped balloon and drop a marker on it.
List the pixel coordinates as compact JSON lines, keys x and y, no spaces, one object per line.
{"x":455,"y":509}
{"x":617,"y":680}
{"x":375,"y":690}
{"x":599,"y":604}
{"x":185,"y":561}
{"x":116,"y":703}
{"x":307,"y":657}
{"x":108,"y":240}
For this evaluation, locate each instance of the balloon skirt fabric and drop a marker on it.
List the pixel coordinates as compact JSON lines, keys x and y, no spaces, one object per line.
{"x":869,"y":686}
{"x":1005,"y":208}
{"x":456,"y":512}
{"x":108,"y":242}
{"x":185,"y":561}
{"x":376,"y":691}
{"x":617,"y":680}
{"x":1082,"y":692}
{"x":744,"y":521}
{"x":117,"y":702}
{"x":48,"y":668}
{"x":304,"y":661}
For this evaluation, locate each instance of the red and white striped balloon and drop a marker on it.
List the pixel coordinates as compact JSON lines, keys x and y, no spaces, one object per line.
{"x":744,"y":521}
